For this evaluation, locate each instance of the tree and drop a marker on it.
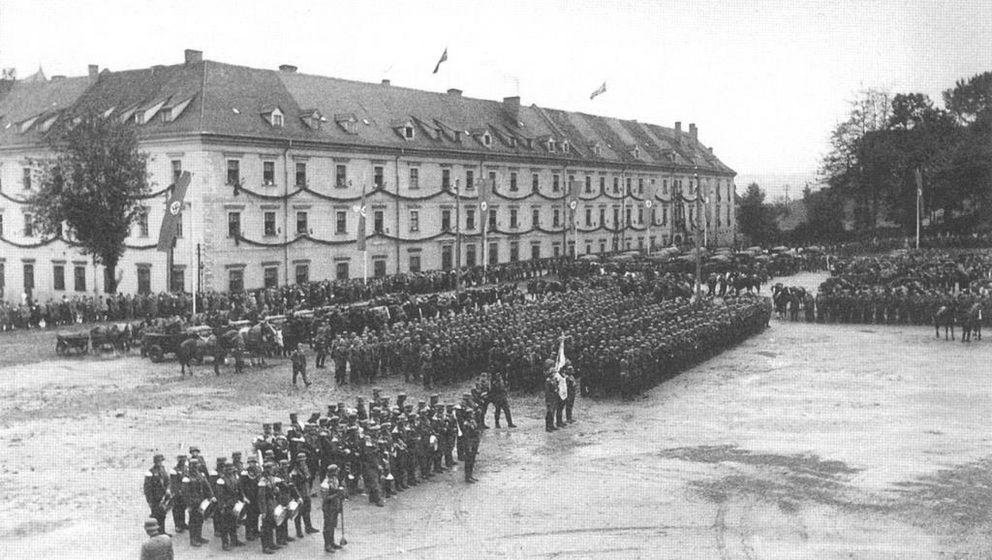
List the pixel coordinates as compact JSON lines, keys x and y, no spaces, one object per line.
{"x":92,"y":182}
{"x":971,"y":100}
{"x":755,"y":218}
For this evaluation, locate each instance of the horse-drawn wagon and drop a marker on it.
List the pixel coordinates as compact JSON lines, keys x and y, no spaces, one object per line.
{"x":156,"y":345}
{"x":65,"y":343}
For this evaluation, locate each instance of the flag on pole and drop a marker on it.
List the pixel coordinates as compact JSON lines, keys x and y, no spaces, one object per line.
{"x":919,"y":182}
{"x":444,"y":56}
{"x":560,"y":360}
{"x":173,"y":213}
{"x":600,"y":90}
{"x":360,"y":209}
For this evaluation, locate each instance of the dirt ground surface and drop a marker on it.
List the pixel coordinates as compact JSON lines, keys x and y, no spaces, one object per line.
{"x":806,"y":441}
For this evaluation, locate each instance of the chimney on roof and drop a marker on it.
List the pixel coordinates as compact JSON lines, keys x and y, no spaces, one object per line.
{"x":512,"y":107}
{"x":94,"y":71}
{"x":193,"y":56}
{"x":678,"y":132}
{"x":454,"y":91}
{"x":693,"y":132}
{"x":287,"y":68}
{"x":385,"y":81}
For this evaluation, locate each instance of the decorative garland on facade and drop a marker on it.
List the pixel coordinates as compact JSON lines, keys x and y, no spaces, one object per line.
{"x":154,"y":194}
{"x":12,"y":199}
{"x":50,"y":240}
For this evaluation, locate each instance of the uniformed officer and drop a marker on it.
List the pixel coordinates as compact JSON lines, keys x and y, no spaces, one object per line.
{"x":176,"y":476}
{"x":196,"y":489}
{"x":300,"y":478}
{"x":299,"y":360}
{"x":332,"y":503}
{"x":228,"y":495}
{"x":157,"y":491}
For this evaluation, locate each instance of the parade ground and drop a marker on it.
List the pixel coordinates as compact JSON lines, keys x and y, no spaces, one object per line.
{"x":806,"y":441}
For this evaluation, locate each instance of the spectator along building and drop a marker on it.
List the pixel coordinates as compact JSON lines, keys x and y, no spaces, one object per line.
{"x":280,"y":160}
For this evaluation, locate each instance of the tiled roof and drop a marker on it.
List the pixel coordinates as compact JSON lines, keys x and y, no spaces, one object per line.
{"x":205,"y":97}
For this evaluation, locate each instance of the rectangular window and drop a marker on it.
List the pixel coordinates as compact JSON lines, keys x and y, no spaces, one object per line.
{"x":446,"y":260}
{"x":555,"y":183}
{"x":493,"y":254}
{"x":236,"y":280}
{"x":470,"y":218}
{"x":58,"y":277}
{"x":514,"y":251}
{"x":628,"y":216}
{"x":470,"y":255}
{"x":664,"y":215}
{"x":79,"y":278}
{"x":28,"y":225}
{"x":556,"y":250}
{"x":341,"y":221}
{"x":341,"y":176}
{"x":378,"y":221}
{"x":302,"y":273}
{"x":414,"y":263}
{"x":341,"y":271}
{"x":269,"y":228}
{"x":144,"y":279}
{"x":602,"y":217}
{"x":445,"y":220}
{"x":492,"y":219}
{"x":270,"y":277}
{"x":142,"y":221}
{"x":588,"y":184}
{"x":535,"y":217}
{"x":414,"y":220}
{"x":556,"y":218}
{"x":302,"y":227}
{"x":535,"y":182}
{"x":177,"y":280}
{"x":26,"y":180}
{"x":571,"y":184}
{"x":379,"y":268}
{"x":664,"y":186}
{"x":513,"y":181}
{"x":535,"y":251}
{"x":640,"y":186}
{"x":301,"y":174}
{"x":377,"y":177}
{"x":588,"y":216}
{"x":28,"y":277}
{"x":469,"y":179}
{"x":492,"y":181}
{"x":414,"y":177}
{"x":1,"y":224}
{"x":640,"y":215}
{"x":233,"y":224}
{"x":446,"y":179}
{"x":616,"y":217}
{"x":177,"y":170}
{"x":233,"y":172}
{"x":628,"y":191}
{"x":602,"y":184}
{"x":513,"y":218}
{"x":268,"y":173}
{"x":616,"y":185}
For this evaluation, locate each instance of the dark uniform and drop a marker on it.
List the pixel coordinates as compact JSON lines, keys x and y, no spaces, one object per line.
{"x":332,"y":495}
{"x":157,"y":491}
{"x":176,"y":476}
{"x":470,"y":433}
{"x":228,"y":495}
{"x":300,"y":479}
{"x":196,"y":489}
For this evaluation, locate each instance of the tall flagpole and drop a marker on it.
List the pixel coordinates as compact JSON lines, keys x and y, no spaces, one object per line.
{"x":365,"y":249}
{"x":919,"y":196}
{"x":458,"y":235}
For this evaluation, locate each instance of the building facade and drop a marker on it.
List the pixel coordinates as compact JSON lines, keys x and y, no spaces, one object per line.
{"x":284,"y":164}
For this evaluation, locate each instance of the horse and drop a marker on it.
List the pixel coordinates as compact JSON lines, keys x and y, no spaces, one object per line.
{"x":112,"y":337}
{"x":944,"y":317}
{"x":261,"y":339}
{"x":196,"y":348}
{"x":971,"y":323}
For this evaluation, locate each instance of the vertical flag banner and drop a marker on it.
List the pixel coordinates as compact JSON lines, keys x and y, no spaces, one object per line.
{"x":173,"y":213}
{"x":573,"y":202}
{"x":361,"y":221}
{"x":444,"y":56}
{"x":599,"y":91}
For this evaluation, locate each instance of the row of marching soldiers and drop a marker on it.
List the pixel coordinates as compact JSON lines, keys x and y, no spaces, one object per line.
{"x":374,"y":448}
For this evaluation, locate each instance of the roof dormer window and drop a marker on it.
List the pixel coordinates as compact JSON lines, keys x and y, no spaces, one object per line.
{"x":551,"y":145}
{"x":276,"y":119}
{"x":598,"y":150}
{"x":513,"y":142}
{"x":564,"y":147}
{"x":487,"y":140}
{"x":348,"y":122}
{"x":408,"y":132}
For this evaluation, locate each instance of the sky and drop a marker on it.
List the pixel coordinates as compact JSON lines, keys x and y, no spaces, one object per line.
{"x":764,"y":81}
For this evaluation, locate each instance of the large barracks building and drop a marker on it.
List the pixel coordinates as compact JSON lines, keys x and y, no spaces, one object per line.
{"x":281,"y":162}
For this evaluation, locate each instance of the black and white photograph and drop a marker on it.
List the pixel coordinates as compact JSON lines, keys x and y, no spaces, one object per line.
{"x":545,"y":279}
